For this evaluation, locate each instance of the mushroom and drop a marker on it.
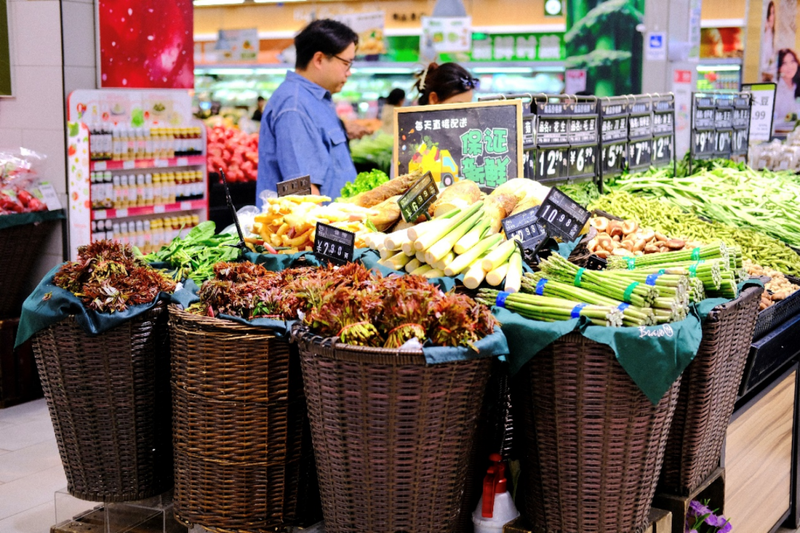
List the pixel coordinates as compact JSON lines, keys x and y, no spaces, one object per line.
{"x":650,"y":249}
{"x":648,"y":235}
{"x":605,"y":242}
{"x":628,"y":245}
{"x":660,"y":237}
{"x":592,"y":245}
{"x":622,"y":252}
{"x":601,"y":223}
{"x":629,"y":226}
{"x":616,"y":238}
{"x":638,"y":245}
{"x":676,"y":244}
{"x":615,"y":229}
{"x":602,"y":254}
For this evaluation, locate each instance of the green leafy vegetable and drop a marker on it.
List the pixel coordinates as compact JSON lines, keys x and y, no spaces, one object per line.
{"x":365,"y":181}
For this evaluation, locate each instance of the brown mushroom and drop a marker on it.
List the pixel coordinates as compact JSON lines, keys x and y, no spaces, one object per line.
{"x":601,"y":223}
{"x":622,"y":252}
{"x":628,"y":245}
{"x":629,"y":226}
{"x":617,"y":238}
{"x":615,"y":229}
{"x":648,"y":235}
{"x":660,"y":237}
{"x":592,"y":245}
{"x":638,"y":245}
{"x":676,"y":244}
{"x":602,"y":254}
{"x":650,"y":249}
{"x":605,"y":243}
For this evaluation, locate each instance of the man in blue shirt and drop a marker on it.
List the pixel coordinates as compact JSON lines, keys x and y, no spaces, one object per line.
{"x":300,"y":131}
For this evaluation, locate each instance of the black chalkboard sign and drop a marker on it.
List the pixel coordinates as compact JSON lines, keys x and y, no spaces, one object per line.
{"x":480,"y":142}
{"x":552,"y":163}
{"x":562,"y":216}
{"x":417,"y":199}
{"x":720,"y":124}
{"x":333,"y":244}
{"x":300,"y":186}
{"x":614,"y":115}
{"x":525,"y":227}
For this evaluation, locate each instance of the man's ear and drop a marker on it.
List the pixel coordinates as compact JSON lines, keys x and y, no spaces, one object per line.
{"x":317,"y":59}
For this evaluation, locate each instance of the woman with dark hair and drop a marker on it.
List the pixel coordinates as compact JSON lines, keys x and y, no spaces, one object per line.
{"x":449,"y":83}
{"x":767,"y":65}
{"x":396,"y":98}
{"x":788,"y":89}
{"x":301,"y":135}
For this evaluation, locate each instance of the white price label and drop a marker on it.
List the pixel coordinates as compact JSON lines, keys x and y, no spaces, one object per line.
{"x":160,"y":163}
{"x":122,"y":213}
{"x":100,"y":165}
{"x":185,"y":206}
{"x":183,"y":161}
{"x":49,"y":196}
{"x":127,"y":165}
{"x":762,"y":111}
{"x":159,"y":209}
{"x":100,"y":215}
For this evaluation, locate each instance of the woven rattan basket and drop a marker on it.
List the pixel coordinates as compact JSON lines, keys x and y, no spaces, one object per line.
{"x":239,"y":417}
{"x":109,"y":401}
{"x":590,"y":442}
{"x":708,"y":394}
{"x":392,"y":435}
{"x":21,"y":246}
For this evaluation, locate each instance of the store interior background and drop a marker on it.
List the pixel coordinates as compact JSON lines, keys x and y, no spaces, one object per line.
{"x":53,"y":52}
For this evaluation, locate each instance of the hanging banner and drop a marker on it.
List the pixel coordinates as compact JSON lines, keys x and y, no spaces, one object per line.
{"x":446,"y":34}
{"x":146,"y":44}
{"x":237,"y":45}
{"x":5,"y":51}
{"x":480,"y":142}
{"x":778,"y":60}
{"x":369,"y":27}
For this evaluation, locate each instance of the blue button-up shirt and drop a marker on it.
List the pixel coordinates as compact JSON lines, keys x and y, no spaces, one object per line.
{"x":301,"y":135}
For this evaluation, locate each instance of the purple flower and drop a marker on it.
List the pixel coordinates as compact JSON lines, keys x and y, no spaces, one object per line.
{"x":716,"y":521}
{"x":726,"y":528}
{"x":698,"y":509}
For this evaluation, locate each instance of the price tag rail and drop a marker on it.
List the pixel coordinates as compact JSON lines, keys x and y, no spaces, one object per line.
{"x":720,"y":125}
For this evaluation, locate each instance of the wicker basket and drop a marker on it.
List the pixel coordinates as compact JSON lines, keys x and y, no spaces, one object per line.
{"x":21,"y":246}
{"x":708,"y":394}
{"x":109,"y":401}
{"x":392,"y":435}
{"x":589,"y":440}
{"x":239,"y":415}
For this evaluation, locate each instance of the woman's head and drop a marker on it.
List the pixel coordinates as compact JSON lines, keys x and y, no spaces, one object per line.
{"x":396,"y":97}
{"x":448,"y":83}
{"x":770,"y":22}
{"x":787,"y":65}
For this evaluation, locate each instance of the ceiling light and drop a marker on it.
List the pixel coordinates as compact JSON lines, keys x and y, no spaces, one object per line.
{"x":203,"y":3}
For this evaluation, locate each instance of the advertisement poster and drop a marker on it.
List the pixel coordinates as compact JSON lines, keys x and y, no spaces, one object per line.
{"x":146,"y":44}
{"x":445,"y":34}
{"x":480,"y":142}
{"x":778,"y":61}
{"x":682,"y":87}
{"x":369,"y":27}
{"x":575,"y":81}
{"x":602,"y":39}
{"x":719,"y":43}
{"x":237,"y":45}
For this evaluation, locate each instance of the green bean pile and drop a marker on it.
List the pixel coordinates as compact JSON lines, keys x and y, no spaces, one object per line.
{"x":674,"y":222}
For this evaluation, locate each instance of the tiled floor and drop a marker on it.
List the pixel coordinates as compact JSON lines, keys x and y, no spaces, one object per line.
{"x":31,"y":471}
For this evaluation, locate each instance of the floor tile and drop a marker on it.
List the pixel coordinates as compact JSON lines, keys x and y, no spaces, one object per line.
{"x":29,"y":492}
{"x":29,"y":461}
{"x":35,"y":520}
{"x":26,"y":412}
{"x":27,"y":434}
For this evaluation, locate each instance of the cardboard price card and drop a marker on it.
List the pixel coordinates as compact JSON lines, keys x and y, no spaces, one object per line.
{"x":563,"y":216}
{"x":333,"y":244}
{"x":480,"y":142}
{"x":417,"y":199}
{"x":297,"y":186}
{"x":525,"y":227}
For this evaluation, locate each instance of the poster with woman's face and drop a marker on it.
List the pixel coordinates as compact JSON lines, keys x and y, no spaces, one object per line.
{"x":779,"y":61}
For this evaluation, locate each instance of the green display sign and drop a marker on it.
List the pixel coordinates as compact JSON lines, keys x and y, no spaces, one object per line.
{"x":5,"y":51}
{"x":489,"y":47}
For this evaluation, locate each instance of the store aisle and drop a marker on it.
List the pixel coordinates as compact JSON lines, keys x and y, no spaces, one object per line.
{"x":30,"y":469}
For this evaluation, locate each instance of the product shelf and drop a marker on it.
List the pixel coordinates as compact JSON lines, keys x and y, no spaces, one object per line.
{"x":186,"y":205}
{"x":182,"y":161}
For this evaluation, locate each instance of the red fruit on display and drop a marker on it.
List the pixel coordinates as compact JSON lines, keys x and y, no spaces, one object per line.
{"x":233,"y":151}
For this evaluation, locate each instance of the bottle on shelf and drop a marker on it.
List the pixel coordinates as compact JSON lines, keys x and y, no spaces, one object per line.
{"x":148,"y":189}
{"x":117,"y":197}
{"x":140,"y":190}
{"x":114,"y":231}
{"x":108,"y":190}
{"x":116,"y":147}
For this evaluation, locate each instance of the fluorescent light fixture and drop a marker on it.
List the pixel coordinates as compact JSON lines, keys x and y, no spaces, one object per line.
{"x":381,"y":70}
{"x":276,"y":1}
{"x":276,"y":70}
{"x":205,"y":3}
{"x":719,"y":68}
{"x":225,"y":71}
{"x":502,"y":70}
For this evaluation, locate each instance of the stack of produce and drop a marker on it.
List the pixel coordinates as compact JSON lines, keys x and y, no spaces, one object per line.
{"x":463,"y":236}
{"x":777,"y":155}
{"x":234,"y":152}
{"x":673,"y":221}
{"x":373,"y":149}
{"x":195,"y":255}
{"x":627,"y":239}
{"x":108,"y":277}
{"x":289,"y":223}
{"x":350,"y":302}
{"x":777,"y":288}
{"x":738,"y":198}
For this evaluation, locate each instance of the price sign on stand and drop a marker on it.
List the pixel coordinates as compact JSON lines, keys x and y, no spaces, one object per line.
{"x":417,"y":199}
{"x":553,"y":129}
{"x":528,"y":131}
{"x":704,"y":130}
{"x":704,"y":143}
{"x":582,"y":160}
{"x":525,"y":227}
{"x":662,"y":150}
{"x":562,"y":216}
{"x":663,"y":128}
{"x":724,"y":142}
{"x":552,"y":163}
{"x":333,"y":244}
{"x":762,"y":110}
{"x":529,"y":163}
{"x":640,"y":134}
{"x":583,"y":140}
{"x":613,"y":135}
{"x":299,"y":186}
{"x":741,"y":125}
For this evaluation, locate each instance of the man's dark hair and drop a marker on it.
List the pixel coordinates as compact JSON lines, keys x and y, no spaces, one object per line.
{"x":327,"y":36}
{"x":396,"y":96}
{"x":260,"y":99}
